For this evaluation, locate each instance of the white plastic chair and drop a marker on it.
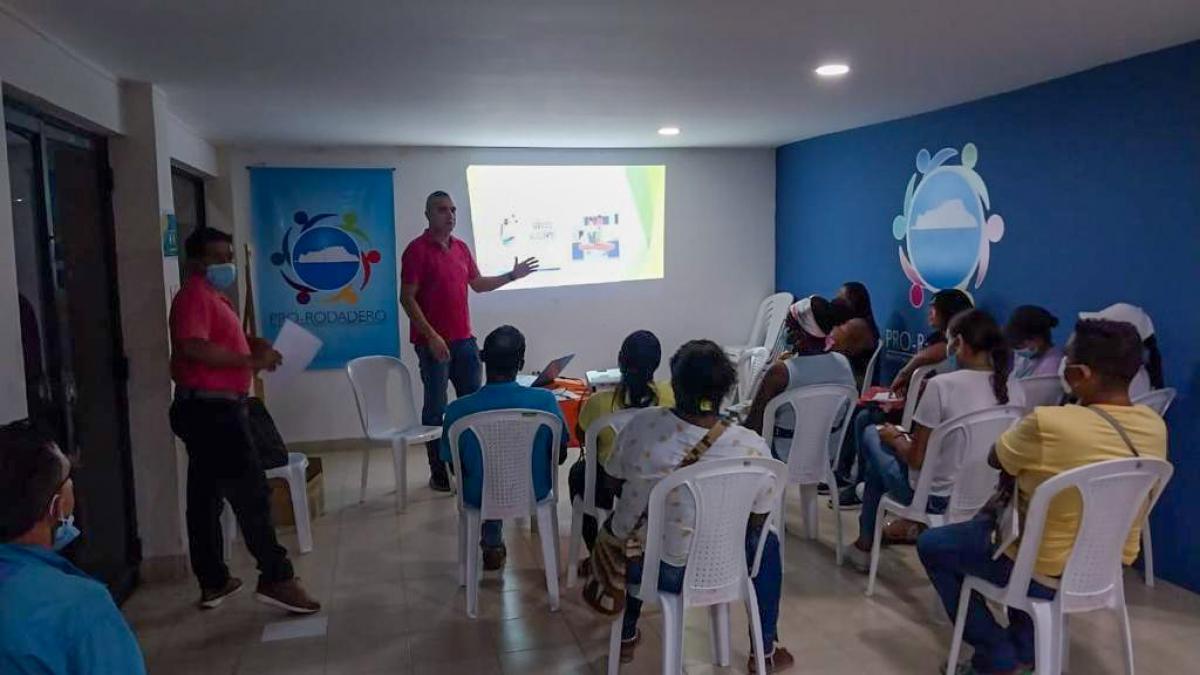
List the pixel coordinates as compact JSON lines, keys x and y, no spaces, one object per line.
{"x":869,"y":374}
{"x":750,"y":366}
{"x":914,"y":392}
{"x":716,"y":573}
{"x":1160,"y":401}
{"x":506,"y":442}
{"x":586,"y":504}
{"x":369,"y":377}
{"x":974,"y":480}
{"x":818,"y":410}
{"x":1113,"y":494}
{"x":294,"y":473}
{"x":1042,"y":390}
{"x":768,"y":322}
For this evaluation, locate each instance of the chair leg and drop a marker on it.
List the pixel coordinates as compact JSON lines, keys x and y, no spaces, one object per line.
{"x":718,"y":621}
{"x":808,"y":500}
{"x":837,"y":518}
{"x":1064,"y":643}
{"x":474,"y":525}
{"x":362,"y":490}
{"x":876,"y":544}
{"x":757,"y":648}
{"x":462,"y":549}
{"x":1126,"y":637}
{"x":400,"y":467}
{"x":228,"y":530}
{"x":782,"y":524}
{"x":960,"y":622}
{"x":299,"y":493}
{"x":614,"y":645}
{"x":672,"y":613}
{"x":1046,"y":647}
{"x":573,"y":544}
{"x":1147,"y":554}
{"x":547,"y":532}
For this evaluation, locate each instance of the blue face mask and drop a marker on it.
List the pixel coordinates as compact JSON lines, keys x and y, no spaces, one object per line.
{"x":221,"y":276}
{"x":65,"y":533}
{"x":1027,"y":354}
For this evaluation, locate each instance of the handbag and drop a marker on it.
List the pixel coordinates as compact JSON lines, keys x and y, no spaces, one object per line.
{"x":268,"y":443}
{"x":606,"y":589}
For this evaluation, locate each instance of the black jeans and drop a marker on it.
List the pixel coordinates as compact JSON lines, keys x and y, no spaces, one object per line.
{"x":463,"y":370}
{"x":607,"y":488}
{"x":223,"y":465}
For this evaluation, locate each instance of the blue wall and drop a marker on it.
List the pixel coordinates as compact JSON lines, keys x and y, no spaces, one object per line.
{"x":1097,"y":176}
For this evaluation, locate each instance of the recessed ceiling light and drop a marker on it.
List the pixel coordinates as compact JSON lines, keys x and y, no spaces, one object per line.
{"x":832,"y":70}
{"x":668,"y":131}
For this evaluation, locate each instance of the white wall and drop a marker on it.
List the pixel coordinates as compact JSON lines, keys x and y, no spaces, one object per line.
{"x":720,"y":232}
{"x":188,"y":148}
{"x":12,"y":368}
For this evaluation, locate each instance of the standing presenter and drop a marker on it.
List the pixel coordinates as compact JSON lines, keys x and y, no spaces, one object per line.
{"x":435,"y":271}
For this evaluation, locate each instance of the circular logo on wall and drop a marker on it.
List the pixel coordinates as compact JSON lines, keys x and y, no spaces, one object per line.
{"x":321,"y":256}
{"x":945,"y":227}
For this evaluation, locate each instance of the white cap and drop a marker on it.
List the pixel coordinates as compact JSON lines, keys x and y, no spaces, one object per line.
{"x":801,"y":312}
{"x":1125,"y":313}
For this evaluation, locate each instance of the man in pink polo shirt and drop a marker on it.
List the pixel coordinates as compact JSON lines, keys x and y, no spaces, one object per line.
{"x":212,"y":362}
{"x":435,"y":271}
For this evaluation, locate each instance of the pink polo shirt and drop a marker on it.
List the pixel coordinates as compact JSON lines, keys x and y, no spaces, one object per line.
{"x":201,"y":312}
{"x":441,"y":276}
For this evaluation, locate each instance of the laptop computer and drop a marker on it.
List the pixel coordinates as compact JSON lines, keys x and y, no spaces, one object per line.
{"x":548,"y":374}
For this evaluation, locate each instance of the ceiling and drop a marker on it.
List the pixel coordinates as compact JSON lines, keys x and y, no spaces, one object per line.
{"x":588,"y":73}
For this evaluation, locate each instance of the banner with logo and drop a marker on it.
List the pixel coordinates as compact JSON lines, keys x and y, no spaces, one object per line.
{"x":325,"y":257}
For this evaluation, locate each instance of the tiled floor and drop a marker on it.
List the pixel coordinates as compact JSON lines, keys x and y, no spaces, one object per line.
{"x":393,"y":606}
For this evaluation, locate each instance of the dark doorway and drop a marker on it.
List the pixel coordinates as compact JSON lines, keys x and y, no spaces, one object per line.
{"x":75,"y":368}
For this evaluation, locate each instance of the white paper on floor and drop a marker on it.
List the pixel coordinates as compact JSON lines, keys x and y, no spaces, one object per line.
{"x":296,"y":628}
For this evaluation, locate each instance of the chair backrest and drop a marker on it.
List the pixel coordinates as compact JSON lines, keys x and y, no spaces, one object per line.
{"x":506,"y":444}
{"x":1115,"y":494}
{"x":818,"y":410}
{"x":724,"y":491}
{"x":959,"y":448}
{"x":615,"y":421}
{"x":370,"y":378}
{"x":914,"y":392}
{"x":750,"y":368}
{"x":1042,"y":390}
{"x":768,"y":320}
{"x":1159,"y":399}
{"x":869,"y":374}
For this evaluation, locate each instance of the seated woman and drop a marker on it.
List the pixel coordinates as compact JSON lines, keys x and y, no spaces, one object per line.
{"x":808,"y":323}
{"x":1028,"y":333}
{"x":854,"y":294}
{"x":651,"y":447}
{"x":945,"y":306}
{"x":638,"y":359}
{"x":893,"y":459}
{"x":1150,"y":375}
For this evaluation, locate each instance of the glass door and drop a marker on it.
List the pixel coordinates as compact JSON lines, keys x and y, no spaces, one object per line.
{"x":71,"y":331}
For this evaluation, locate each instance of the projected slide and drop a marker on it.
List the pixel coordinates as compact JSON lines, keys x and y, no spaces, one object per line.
{"x":586,"y":224}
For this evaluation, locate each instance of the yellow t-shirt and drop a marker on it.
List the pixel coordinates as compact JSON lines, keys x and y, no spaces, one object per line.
{"x":603,"y":403}
{"x":1051,"y":440}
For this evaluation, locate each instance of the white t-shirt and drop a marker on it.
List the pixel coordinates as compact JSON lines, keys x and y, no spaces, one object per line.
{"x":649,"y":448}
{"x":952,"y":395}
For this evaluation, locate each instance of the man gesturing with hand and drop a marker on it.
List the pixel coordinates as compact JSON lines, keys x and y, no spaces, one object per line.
{"x":435,"y":271}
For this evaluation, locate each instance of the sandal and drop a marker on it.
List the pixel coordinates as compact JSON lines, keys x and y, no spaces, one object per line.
{"x":901,"y":532}
{"x":777,"y":661}
{"x":629,"y":646}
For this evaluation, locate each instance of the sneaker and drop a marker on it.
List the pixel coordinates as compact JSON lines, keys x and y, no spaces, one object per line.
{"x":849,"y":498}
{"x":212,"y":598}
{"x":777,"y":661}
{"x":628,"y":647}
{"x":822,"y":488}
{"x":287,"y":595}
{"x":494,"y":557}
{"x":439,"y":482}
{"x":859,"y":559}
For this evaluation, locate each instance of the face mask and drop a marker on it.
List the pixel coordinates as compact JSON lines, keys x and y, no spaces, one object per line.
{"x":1062,"y":377}
{"x":221,"y":276}
{"x":1026,"y":354}
{"x":65,"y":533}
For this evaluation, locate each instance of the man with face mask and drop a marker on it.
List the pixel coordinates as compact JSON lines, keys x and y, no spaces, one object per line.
{"x":53,"y":617}
{"x":1101,"y":359}
{"x":212,"y":361}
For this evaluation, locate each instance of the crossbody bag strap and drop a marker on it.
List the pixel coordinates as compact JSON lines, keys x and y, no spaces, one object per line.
{"x":1116,"y":425}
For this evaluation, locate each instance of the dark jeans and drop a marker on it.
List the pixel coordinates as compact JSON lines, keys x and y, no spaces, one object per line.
{"x":223,"y":465}
{"x":952,"y":552}
{"x":885,"y":474}
{"x":766,"y":587}
{"x":849,"y":467}
{"x":607,"y":489}
{"x":463,"y":370}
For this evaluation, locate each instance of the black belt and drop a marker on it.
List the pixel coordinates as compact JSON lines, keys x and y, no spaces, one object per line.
{"x":185,"y":394}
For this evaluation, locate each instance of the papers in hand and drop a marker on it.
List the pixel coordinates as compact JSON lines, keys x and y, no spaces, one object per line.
{"x":298,"y":348}
{"x":884,"y":397}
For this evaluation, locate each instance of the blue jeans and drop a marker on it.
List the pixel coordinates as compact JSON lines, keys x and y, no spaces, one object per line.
{"x":884,"y":473}
{"x":462,"y":369}
{"x":951,"y":552}
{"x":766,"y":586}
